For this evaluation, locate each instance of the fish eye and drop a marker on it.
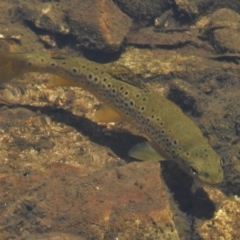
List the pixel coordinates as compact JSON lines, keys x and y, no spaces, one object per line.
{"x":193,"y":170}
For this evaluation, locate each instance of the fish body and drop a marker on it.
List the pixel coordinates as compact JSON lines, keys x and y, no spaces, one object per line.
{"x":170,"y":134}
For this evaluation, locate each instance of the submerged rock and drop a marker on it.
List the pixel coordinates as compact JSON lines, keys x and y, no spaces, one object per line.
{"x":97,"y":25}
{"x":226,"y":39}
{"x":143,"y":10}
{"x":128,"y":202}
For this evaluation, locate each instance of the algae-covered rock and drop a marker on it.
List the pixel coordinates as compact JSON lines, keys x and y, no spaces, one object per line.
{"x":226,"y":221}
{"x":227,"y":38}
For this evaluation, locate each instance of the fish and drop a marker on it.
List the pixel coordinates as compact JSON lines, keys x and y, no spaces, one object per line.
{"x":170,"y":134}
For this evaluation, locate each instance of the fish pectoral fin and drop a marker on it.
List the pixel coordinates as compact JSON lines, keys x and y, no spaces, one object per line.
{"x":105,"y":114}
{"x":144,"y":151}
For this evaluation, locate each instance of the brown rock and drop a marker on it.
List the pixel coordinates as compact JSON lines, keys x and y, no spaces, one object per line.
{"x":49,"y":17}
{"x":128,"y":202}
{"x":150,"y":37}
{"x":98,"y":24}
{"x":188,"y":7}
{"x":144,"y":10}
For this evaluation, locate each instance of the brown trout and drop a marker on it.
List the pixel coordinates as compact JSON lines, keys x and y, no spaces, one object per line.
{"x":171,"y":135}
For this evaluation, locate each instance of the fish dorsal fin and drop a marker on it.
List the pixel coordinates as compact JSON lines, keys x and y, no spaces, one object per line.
{"x":124,"y":74}
{"x":58,"y":55}
{"x":145,"y":152}
{"x":105,"y":114}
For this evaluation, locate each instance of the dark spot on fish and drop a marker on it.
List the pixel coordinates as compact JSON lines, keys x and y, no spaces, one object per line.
{"x":137,"y":96}
{"x":126,"y":93}
{"x":104,"y":80}
{"x":63,"y":63}
{"x":121,"y":88}
{"x":131,"y":103}
{"x":175,"y":142}
{"x":113,"y":90}
{"x":74,"y":70}
{"x":53,"y":64}
{"x":90,"y":76}
{"x":187,"y":153}
{"x":29,"y":64}
{"x":95,"y":79}
{"x":142,"y":108}
{"x":144,"y":99}
{"x":109,"y":85}
{"x":42,"y":60}
{"x":152,"y":116}
{"x":161,"y":123}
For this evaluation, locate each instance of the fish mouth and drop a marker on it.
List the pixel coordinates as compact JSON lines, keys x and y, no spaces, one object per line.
{"x":212,"y":181}
{"x":200,"y":183}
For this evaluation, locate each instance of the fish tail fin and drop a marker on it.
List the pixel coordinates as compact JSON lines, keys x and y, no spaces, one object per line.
{"x":8,"y":69}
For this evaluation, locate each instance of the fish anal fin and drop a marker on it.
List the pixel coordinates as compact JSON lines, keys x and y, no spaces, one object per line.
{"x":145,"y":152}
{"x":105,"y":114}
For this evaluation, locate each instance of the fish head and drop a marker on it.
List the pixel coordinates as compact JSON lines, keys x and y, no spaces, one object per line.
{"x":204,"y":164}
